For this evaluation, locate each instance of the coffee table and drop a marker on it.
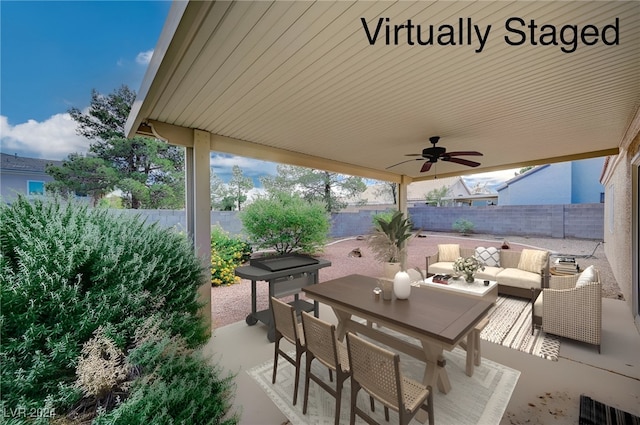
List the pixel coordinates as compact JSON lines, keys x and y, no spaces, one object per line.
{"x":477,"y":289}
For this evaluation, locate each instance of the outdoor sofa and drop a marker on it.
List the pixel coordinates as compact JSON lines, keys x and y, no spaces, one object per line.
{"x":517,"y":272}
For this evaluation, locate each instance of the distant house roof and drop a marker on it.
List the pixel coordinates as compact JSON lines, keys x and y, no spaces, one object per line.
{"x":493,"y":197}
{"x":24,"y":164}
{"x":521,"y":176}
{"x":418,"y":190}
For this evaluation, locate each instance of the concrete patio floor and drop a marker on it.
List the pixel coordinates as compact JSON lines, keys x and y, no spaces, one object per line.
{"x":547,"y":392}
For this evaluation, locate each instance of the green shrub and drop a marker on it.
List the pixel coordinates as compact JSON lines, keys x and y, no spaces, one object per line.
{"x":385,"y":216}
{"x":67,"y":270}
{"x":463,"y":226}
{"x":176,"y":388}
{"x":286,"y":223}
{"x":227,"y":253}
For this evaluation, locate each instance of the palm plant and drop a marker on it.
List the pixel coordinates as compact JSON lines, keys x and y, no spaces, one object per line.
{"x":390,"y":234}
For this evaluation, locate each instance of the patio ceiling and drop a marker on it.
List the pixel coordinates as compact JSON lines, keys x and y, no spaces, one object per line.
{"x":299,"y":83}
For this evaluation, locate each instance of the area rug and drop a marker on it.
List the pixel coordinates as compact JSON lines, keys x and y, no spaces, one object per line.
{"x":480,"y":399}
{"x":593,"y":412}
{"x":510,"y":325}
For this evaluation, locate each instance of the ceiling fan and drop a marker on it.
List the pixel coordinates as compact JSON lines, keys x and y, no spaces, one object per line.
{"x":433,"y":154}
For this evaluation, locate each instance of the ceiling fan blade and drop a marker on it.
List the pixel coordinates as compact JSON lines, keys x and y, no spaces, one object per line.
{"x":461,"y":161}
{"x":465,"y":153}
{"x":412,"y":154}
{"x":426,"y":167}
{"x":408,"y":160}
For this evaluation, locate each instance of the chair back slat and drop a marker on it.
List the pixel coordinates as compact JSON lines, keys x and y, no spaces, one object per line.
{"x":320,"y":339}
{"x":376,"y":369}
{"x":285,"y":320}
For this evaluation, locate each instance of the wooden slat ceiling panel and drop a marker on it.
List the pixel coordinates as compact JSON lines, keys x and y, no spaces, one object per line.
{"x":177,"y":87}
{"x":301,"y":76}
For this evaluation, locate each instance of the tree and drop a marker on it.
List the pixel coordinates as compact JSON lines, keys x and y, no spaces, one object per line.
{"x":286,"y":223}
{"x":524,"y":170}
{"x":238,"y":186}
{"x":82,"y":175}
{"x":106,"y":117}
{"x":315,"y":185}
{"x":434,"y":196}
{"x":388,"y":189}
{"x":149,"y":172}
{"x":227,"y":197}
{"x":219,"y":194}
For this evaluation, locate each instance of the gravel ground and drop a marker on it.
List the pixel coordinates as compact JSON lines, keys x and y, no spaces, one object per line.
{"x":232,"y":303}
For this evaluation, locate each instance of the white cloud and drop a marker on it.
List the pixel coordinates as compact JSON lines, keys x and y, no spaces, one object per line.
{"x":144,"y":58}
{"x":222,"y":164}
{"x":54,"y":138}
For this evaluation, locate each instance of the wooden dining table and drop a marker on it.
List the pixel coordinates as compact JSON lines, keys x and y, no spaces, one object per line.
{"x":439,"y":320}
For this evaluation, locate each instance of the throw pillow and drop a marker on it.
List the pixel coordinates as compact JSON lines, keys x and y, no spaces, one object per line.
{"x":489,"y":256}
{"x":448,"y":252}
{"x":532,"y":260}
{"x":587,"y":276}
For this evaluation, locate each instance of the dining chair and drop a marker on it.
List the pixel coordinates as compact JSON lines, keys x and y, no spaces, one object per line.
{"x":287,"y":326}
{"x":322,"y":345}
{"x":377,"y":371}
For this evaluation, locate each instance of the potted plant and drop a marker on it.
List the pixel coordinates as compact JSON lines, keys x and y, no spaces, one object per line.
{"x":389,"y":241}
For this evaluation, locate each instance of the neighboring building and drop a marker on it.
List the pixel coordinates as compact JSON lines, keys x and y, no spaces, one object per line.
{"x":576,"y":182}
{"x":458,"y":192}
{"x":22,"y":175}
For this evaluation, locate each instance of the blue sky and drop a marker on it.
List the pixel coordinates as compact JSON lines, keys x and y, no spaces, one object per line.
{"x":53,"y":53}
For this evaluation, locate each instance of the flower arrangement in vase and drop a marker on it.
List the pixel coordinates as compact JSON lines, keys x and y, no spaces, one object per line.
{"x":468,"y":266}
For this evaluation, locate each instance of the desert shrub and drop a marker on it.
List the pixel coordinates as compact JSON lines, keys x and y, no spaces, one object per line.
{"x":67,"y":270}
{"x":390,"y":235}
{"x":385,"y":216}
{"x":286,"y":223}
{"x":176,"y":388}
{"x":463,"y":226}
{"x":227,"y":253}
{"x":101,"y":367}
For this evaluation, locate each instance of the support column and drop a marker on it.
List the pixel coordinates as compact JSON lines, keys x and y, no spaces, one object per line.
{"x":198,"y":206}
{"x":402,"y":207}
{"x":402,"y":194}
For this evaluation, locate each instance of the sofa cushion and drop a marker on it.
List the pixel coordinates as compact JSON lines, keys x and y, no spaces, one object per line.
{"x":518,"y":278}
{"x":441,"y":267}
{"x":489,"y":273}
{"x":586,"y":277}
{"x":490,"y":256}
{"x":448,"y":252}
{"x":532,"y":260}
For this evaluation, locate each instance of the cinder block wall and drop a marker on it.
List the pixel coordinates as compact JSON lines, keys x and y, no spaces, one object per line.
{"x":575,"y":221}
{"x":228,"y":220}
{"x":345,"y":224}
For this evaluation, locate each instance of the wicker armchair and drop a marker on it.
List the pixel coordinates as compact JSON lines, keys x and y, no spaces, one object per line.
{"x":322,"y":345}
{"x":569,"y":311}
{"x":377,"y":371}
{"x":287,"y":326}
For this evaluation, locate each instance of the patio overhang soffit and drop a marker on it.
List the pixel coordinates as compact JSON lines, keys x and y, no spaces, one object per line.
{"x":301,"y":83}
